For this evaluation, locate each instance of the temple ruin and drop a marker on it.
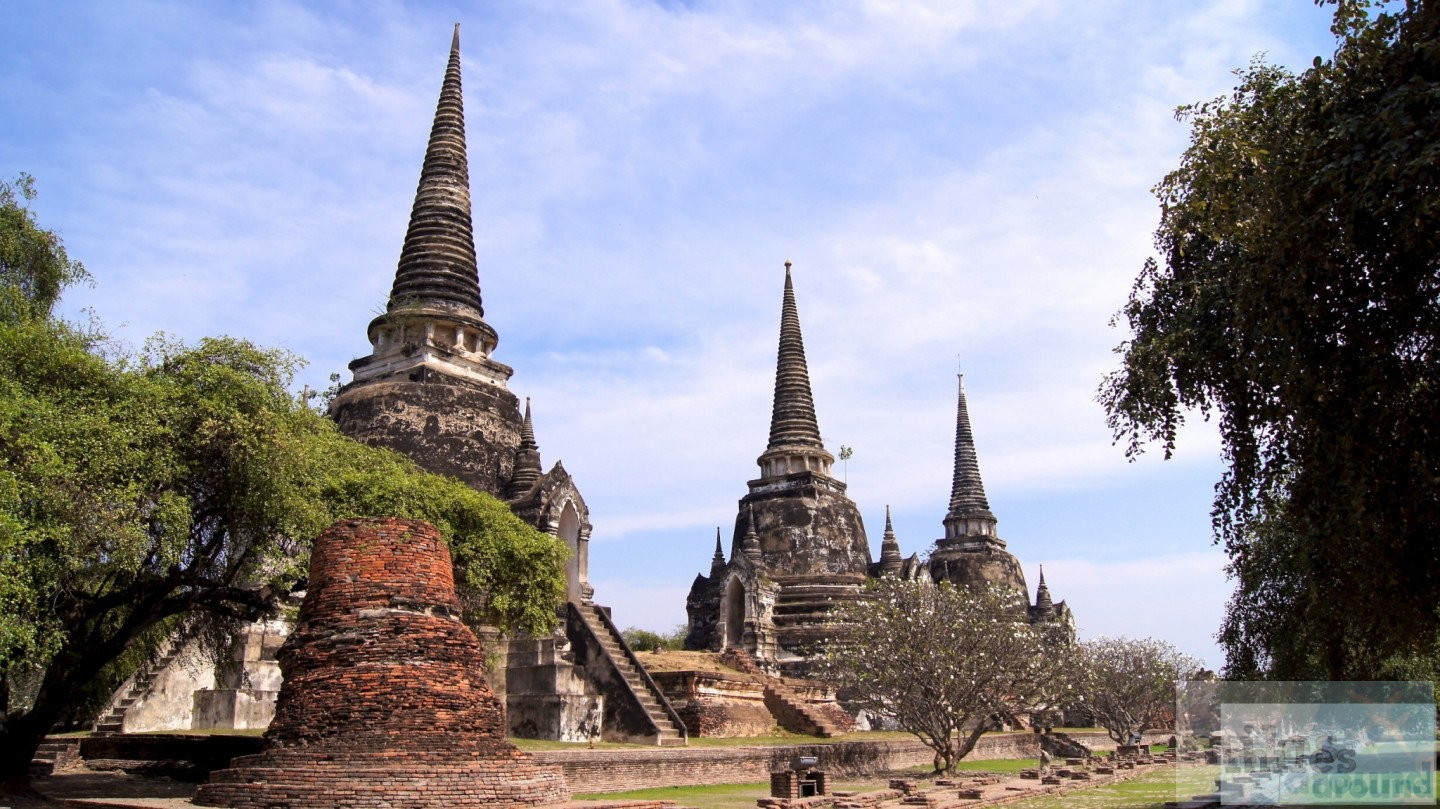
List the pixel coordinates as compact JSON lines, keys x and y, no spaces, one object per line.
{"x":384,"y":703}
{"x":799,"y":549}
{"x":798,"y":546}
{"x":432,"y":388}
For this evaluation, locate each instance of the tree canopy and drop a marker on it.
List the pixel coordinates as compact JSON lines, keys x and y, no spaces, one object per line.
{"x":34,"y":267}
{"x":1297,"y":298}
{"x":946,"y":663}
{"x":1129,"y":685}
{"x":182,"y":485}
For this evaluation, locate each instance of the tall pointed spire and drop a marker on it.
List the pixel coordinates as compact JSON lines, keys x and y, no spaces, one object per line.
{"x":437,"y":263}
{"x":795,"y":444}
{"x":434,"y":320}
{"x":969,"y":514}
{"x":717,"y":562}
{"x":890,"y":560}
{"x":527,"y":429}
{"x":1042,"y":594}
{"x":527,"y":458}
{"x":750,"y":543}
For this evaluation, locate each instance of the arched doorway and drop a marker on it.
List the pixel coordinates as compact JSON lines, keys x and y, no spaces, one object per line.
{"x":735,"y":613}
{"x":568,"y":530}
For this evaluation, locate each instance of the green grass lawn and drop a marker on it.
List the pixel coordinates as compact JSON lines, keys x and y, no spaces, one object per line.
{"x":1009,"y":766}
{"x":720,"y":796}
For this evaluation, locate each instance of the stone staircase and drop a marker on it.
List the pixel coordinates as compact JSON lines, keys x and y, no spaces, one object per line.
{"x":55,"y":754}
{"x":135,"y":689}
{"x":670,"y":730}
{"x":792,"y":711}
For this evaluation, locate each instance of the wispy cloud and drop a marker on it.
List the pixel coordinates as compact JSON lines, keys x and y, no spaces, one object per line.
{"x":950,"y":178}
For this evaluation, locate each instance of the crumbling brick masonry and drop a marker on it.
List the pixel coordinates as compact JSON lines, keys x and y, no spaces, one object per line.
{"x":384,"y":701}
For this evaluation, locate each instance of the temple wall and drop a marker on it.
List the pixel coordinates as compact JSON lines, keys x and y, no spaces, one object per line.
{"x":621,"y":770}
{"x":712,"y":704}
{"x":464,"y":431}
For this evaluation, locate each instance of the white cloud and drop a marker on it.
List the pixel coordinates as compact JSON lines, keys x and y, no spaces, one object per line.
{"x":1177,"y":598}
{"x":949,"y":178}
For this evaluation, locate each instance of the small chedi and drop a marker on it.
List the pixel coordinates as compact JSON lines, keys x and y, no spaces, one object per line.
{"x":384,"y":702}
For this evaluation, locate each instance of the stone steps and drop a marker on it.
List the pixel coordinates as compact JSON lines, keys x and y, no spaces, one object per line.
{"x":792,"y":711}
{"x":650,"y":700}
{"x":53,"y":755}
{"x":114,"y":721}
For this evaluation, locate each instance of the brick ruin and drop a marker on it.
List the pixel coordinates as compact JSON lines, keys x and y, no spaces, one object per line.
{"x":383,"y":703}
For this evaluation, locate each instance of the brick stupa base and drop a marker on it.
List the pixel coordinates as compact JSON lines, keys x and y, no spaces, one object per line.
{"x":384,"y":702}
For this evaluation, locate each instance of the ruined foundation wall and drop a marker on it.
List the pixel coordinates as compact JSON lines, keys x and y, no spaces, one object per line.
{"x":712,"y":704}
{"x":622,"y":770}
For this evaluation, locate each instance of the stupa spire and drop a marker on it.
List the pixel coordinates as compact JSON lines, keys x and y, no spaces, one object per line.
{"x":717,"y":562}
{"x":795,"y":444}
{"x":750,"y":543}
{"x":527,"y":429}
{"x":434,"y":320}
{"x":1042,"y":593}
{"x":527,"y":458}
{"x":437,"y":262}
{"x":890,"y":560}
{"x":969,"y":513}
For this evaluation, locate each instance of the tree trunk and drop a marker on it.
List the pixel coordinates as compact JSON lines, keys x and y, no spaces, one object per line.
{"x":19,"y":740}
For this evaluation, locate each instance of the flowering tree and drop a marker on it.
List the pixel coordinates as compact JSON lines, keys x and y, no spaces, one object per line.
{"x":946,"y":663}
{"x":1129,"y":685}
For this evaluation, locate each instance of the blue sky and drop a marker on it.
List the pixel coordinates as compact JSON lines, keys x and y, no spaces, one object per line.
{"x":955,"y":182}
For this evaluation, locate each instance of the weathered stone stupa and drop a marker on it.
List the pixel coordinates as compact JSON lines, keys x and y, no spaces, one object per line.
{"x":971,"y":552}
{"x":799,"y":546}
{"x":431,"y":388}
{"x":384,"y":703}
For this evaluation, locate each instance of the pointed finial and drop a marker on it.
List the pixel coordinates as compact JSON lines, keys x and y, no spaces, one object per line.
{"x":750,"y":544}
{"x":792,"y":420}
{"x":527,"y":457}
{"x":717,"y":562}
{"x":969,"y":512}
{"x":1042,"y":594}
{"x":437,"y":261}
{"x":527,"y":429}
{"x":890,"y":560}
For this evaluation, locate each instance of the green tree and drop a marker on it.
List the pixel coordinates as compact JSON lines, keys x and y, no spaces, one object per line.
{"x":34,"y":267}
{"x":179,"y":489}
{"x":946,"y":663}
{"x":1298,"y":298}
{"x":644,"y":640}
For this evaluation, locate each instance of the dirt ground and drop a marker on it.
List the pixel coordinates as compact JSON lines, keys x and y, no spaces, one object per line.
{"x":80,"y":786}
